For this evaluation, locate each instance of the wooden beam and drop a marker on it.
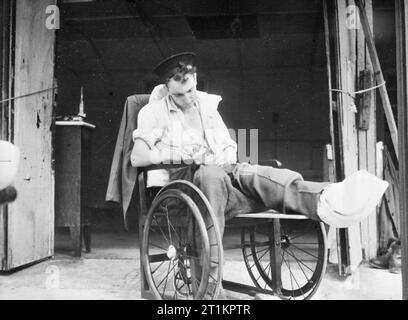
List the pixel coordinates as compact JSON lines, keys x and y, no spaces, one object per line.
{"x":119,"y":8}
{"x":378,"y":75}
{"x":5,"y":36}
{"x":401,"y":11}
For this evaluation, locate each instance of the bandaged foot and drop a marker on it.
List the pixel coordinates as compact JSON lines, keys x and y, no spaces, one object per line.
{"x":346,"y":203}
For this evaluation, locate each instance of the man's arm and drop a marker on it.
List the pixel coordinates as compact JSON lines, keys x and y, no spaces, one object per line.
{"x":144,"y":138}
{"x":141,"y":155}
{"x":147,"y":149}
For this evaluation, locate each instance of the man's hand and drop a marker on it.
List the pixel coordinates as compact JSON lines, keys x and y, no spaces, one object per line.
{"x":170,"y":154}
{"x":227,"y":157}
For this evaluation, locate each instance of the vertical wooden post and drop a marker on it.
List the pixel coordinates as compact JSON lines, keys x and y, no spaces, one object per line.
{"x":275,"y":255}
{"x":5,"y":40}
{"x":401,"y":11}
{"x":4,"y":66}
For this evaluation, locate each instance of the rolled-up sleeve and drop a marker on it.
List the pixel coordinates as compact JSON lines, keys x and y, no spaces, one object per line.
{"x":224,"y":143}
{"x":148,"y":128}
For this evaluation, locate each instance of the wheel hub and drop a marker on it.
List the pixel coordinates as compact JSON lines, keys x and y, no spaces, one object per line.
{"x":172,"y":252}
{"x":285,"y":241}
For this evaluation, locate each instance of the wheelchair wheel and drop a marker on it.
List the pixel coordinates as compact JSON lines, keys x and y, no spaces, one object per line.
{"x":176,"y":248}
{"x":213,"y":231}
{"x":303,"y":256}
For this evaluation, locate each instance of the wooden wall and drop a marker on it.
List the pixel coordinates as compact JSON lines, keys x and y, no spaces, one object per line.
{"x":30,"y":224}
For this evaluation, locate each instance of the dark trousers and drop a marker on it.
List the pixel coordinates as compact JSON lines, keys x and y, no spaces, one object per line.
{"x":244,"y":188}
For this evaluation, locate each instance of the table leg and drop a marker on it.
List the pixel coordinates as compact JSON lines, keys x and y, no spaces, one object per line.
{"x":87,"y":238}
{"x":76,"y":240}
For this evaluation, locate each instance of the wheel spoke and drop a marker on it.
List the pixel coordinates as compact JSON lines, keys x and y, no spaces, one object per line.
{"x":256,"y":244}
{"x":268,"y":275}
{"x":166,"y":277}
{"x":263,"y":254}
{"x":168,"y":225}
{"x":260,"y":275}
{"x":256,"y":252}
{"x":175,"y":289}
{"x":297,"y":260}
{"x":181,"y":243}
{"x":308,"y":243}
{"x":212,"y":277}
{"x":290,"y":272}
{"x":186,"y":280}
{"x":161,"y":230}
{"x":294,"y":278}
{"x":306,"y":252}
{"x":157,"y":246}
{"x":293,"y":255}
{"x":158,"y":266}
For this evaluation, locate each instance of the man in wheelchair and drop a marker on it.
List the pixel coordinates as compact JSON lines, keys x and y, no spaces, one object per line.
{"x":181,"y":123}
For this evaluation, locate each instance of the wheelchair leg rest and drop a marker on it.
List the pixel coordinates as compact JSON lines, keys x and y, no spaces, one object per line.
{"x":245,"y":289}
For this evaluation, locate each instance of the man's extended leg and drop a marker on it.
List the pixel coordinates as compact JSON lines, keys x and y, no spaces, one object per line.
{"x":280,"y":188}
{"x":338,"y":204}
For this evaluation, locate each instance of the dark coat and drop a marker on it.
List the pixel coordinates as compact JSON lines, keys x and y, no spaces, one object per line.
{"x":123,"y":176}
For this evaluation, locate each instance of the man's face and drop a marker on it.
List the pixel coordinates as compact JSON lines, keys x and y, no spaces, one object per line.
{"x":184,"y":93}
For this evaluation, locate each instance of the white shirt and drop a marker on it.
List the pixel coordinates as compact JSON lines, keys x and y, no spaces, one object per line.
{"x":161,"y":122}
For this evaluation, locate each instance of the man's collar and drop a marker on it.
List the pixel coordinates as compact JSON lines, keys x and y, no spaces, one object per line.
{"x":170,"y":103}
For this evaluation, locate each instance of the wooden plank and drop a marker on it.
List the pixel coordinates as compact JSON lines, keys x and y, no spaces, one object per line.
{"x":275,"y":255}
{"x":365,"y":101}
{"x":402,"y":77}
{"x":367,"y":134}
{"x":271,"y":214}
{"x":4,"y":107}
{"x":31,"y":219}
{"x":365,"y":23}
{"x":371,"y":222}
{"x":350,"y":238}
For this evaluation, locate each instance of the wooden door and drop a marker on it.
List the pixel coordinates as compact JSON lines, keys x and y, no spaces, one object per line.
{"x":29,"y":228}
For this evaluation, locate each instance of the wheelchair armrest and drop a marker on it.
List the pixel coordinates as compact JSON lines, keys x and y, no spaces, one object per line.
{"x":272,"y":163}
{"x":167,"y":166}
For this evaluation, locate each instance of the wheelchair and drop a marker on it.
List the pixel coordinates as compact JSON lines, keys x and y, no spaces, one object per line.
{"x":182,"y":255}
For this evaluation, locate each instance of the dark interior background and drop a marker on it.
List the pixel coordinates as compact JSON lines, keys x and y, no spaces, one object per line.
{"x":266,"y":58}
{"x":385,"y":41}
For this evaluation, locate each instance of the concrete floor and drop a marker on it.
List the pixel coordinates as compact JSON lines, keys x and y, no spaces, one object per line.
{"x":111,"y":271}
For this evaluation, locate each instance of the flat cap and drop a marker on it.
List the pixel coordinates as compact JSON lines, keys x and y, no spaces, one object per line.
{"x":172,"y":65}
